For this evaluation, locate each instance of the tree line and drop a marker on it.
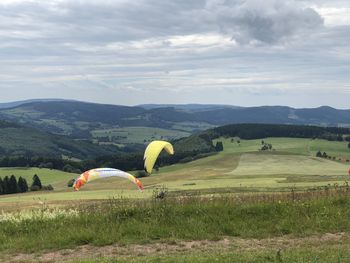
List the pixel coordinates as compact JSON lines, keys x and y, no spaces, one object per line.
{"x":10,"y":185}
{"x":187,"y":149}
{"x":123,"y":161}
{"x":259,"y":131}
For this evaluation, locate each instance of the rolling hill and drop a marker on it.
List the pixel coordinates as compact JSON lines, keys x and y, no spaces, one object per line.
{"x":81,"y":119}
{"x":17,"y":140}
{"x":6,"y":105}
{"x":240,"y":167}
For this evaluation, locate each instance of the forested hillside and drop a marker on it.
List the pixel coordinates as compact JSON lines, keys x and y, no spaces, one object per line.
{"x":257,"y":131}
{"x":20,"y":141}
{"x":82,"y":120}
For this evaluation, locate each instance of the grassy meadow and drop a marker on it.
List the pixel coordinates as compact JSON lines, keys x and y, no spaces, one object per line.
{"x":241,"y":167}
{"x":240,"y":204}
{"x":138,"y":135}
{"x":187,"y":227}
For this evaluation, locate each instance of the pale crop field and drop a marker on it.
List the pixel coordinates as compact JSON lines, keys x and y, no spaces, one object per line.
{"x":257,"y":165}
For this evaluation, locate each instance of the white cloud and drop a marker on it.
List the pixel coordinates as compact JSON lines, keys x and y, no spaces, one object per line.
{"x":335,"y":16}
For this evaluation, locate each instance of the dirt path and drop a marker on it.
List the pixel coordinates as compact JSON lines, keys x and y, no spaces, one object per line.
{"x":239,"y":244}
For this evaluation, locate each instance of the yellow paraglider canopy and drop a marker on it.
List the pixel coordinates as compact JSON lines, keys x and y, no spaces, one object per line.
{"x":152,"y":152}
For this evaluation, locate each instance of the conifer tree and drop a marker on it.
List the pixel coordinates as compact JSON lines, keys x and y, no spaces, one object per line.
{"x":13,"y":185}
{"x":1,"y":186}
{"x":6,"y":185}
{"x":36,"y":181}
{"x":22,"y":185}
{"x":219,"y":147}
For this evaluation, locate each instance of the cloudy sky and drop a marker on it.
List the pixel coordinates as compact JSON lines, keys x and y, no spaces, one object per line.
{"x":238,"y":52}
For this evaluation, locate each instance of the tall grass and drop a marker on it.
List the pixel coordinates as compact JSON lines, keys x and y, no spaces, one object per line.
{"x":181,"y":218}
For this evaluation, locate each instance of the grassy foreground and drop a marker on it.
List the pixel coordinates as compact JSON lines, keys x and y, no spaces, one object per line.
{"x":326,"y":255}
{"x":320,"y":254}
{"x":140,"y":222}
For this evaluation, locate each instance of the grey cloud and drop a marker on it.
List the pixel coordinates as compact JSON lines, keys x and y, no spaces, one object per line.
{"x":266,"y":21}
{"x":110,"y":21}
{"x":142,"y":51}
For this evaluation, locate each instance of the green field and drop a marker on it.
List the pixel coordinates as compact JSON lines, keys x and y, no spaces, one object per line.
{"x":241,"y":167}
{"x":192,"y":126}
{"x":139,"y":135}
{"x":58,"y":179}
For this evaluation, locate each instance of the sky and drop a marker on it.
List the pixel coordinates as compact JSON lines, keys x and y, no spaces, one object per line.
{"x":238,"y":52}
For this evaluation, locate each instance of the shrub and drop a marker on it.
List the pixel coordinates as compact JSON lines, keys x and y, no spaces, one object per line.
{"x":48,"y":165}
{"x":186,"y":160}
{"x":68,"y":168}
{"x":160,"y":192}
{"x":71,"y":183}
{"x":34,"y":188}
{"x":141,"y":174}
{"x":48,"y":187}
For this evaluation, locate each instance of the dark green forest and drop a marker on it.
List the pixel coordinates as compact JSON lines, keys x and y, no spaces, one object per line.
{"x":258,"y":131}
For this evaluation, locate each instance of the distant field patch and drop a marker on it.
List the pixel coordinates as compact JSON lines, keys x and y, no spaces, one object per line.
{"x":274,"y":164}
{"x":192,"y":126}
{"x":61,"y":125}
{"x":288,"y":145}
{"x":137,"y":134}
{"x":58,"y":179}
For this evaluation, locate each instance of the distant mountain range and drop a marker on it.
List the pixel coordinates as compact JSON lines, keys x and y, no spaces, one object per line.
{"x":17,"y":140}
{"x":7,"y":105}
{"x":189,"y":107}
{"x":78,"y":119}
{"x":62,"y":128}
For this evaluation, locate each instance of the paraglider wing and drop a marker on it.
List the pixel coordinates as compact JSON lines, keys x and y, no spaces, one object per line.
{"x":152,"y":152}
{"x":98,"y":173}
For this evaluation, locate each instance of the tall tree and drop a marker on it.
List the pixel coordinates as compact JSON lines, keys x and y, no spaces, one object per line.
{"x":36,"y":181}
{"x":219,"y":146}
{"x":22,"y":185}
{"x":1,"y":186}
{"x":6,"y":184}
{"x":13,"y":185}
